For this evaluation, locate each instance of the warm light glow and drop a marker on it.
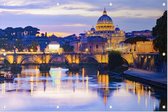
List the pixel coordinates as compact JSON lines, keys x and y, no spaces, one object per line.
{"x":163,"y":54}
{"x":54,"y":47}
{"x":4,"y":54}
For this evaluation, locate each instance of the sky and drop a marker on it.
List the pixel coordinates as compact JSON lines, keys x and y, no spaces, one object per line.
{"x":76,"y":16}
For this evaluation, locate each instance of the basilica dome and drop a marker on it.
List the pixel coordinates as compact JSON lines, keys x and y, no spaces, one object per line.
{"x":104,"y":23}
{"x":104,"y":18}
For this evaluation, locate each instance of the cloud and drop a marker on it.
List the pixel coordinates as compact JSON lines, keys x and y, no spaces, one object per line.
{"x":22,"y":2}
{"x":78,"y":15}
{"x":137,"y":13}
{"x":75,"y":25}
{"x":57,"y":11}
{"x":128,"y":9}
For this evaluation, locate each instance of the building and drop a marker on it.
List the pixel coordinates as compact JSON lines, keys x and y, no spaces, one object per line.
{"x":106,"y":29}
{"x":139,"y":47}
{"x":54,"y":47}
{"x":95,"y":44}
{"x":144,"y":33}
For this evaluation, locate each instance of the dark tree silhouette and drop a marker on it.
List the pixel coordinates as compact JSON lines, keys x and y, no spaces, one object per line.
{"x":33,"y":46}
{"x":31,"y":31}
{"x":2,"y":33}
{"x":114,"y":59}
{"x":19,"y":32}
{"x":67,"y":47}
{"x":9,"y":32}
{"x":160,"y":32}
{"x":19,"y":45}
{"x":11,"y":37}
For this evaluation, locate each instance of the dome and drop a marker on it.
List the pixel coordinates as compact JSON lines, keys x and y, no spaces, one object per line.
{"x":105,"y":23}
{"x":92,"y":29}
{"x":117,"y":29}
{"x":104,"y":18}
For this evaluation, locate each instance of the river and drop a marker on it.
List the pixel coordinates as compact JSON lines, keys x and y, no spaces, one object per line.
{"x":86,"y":90}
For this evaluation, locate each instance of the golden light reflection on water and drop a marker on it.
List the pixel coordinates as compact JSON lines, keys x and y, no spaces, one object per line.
{"x":3,"y":88}
{"x":103,"y":79}
{"x":65,"y":87}
{"x":140,"y":91}
{"x":56,"y":87}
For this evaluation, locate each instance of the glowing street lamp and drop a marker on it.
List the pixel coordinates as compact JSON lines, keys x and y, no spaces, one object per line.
{"x":163,"y":54}
{"x":4,"y":54}
{"x":86,"y":50}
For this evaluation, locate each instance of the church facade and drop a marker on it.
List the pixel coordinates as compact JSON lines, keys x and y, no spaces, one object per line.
{"x":106,"y":29}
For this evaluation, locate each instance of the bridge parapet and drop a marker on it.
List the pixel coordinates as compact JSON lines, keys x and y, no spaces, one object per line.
{"x":40,"y":57}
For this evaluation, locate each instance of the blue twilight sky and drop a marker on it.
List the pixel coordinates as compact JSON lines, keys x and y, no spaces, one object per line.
{"x":75,"y":16}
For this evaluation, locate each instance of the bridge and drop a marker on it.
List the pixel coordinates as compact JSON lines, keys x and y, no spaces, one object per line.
{"x":50,"y":58}
{"x":23,"y":58}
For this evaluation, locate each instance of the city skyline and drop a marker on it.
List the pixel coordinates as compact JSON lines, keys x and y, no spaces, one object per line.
{"x":77,"y":16}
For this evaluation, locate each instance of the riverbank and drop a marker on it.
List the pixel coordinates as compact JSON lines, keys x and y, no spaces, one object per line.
{"x":147,"y":77}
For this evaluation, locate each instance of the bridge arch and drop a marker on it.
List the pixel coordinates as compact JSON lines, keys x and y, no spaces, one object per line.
{"x":89,"y":59}
{"x":59,"y":59}
{"x":33,"y":59}
{"x":128,"y":57}
{"x":125,"y":62}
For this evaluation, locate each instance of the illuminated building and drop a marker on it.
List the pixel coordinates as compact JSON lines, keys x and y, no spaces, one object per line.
{"x":54,"y":46}
{"x":105,"y":28}
{"x":145,"y":33}
{"x":140,"y":47}
{"x":94,"y":44}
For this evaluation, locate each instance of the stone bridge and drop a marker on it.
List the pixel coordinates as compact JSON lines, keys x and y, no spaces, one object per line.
{"x":50,"y":58}
{"x":40,"y":57}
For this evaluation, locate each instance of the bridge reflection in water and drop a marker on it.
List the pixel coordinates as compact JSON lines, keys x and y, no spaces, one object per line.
{"x":85,"y":90}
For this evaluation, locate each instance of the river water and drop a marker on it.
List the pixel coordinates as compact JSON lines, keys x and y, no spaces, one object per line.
{"x":88,"y":89}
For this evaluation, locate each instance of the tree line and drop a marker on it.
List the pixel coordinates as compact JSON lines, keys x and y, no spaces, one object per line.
{"x":11,"y":38}
{"x":18,"y":32}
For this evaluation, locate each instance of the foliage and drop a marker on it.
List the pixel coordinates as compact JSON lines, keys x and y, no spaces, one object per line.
{"x":19,"y":44}
{"x":33,"y":46}
{"x":135,"y":39}
{"x":5,"y":44}
{"x":31,"y":30}
{"x":18,"y":32}
{"x":67,"y":47}
{"x":114,"y":59}
{"x":10,"y":37}
{"x":160,"y":32}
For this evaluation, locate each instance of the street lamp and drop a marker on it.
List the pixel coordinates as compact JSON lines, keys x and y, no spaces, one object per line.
{"x":4,"y":54}
{"x":86,"y":50}
{"x":163,"y":54}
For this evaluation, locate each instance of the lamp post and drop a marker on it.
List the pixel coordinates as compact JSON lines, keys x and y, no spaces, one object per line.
{"x":163,"y":54}
{"x":4,"y":54}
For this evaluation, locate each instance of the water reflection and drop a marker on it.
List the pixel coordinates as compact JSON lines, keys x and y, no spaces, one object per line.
{"x":86,"y":90}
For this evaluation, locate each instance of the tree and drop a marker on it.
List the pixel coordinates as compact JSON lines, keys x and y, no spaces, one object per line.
{"x":68,"y":48}
{"x":19,"y":45}
{"x":33,"y":46}
{"x":114,"y":59}
{"x":2,"y":33}
{"x":19,"y":32}
{"x":9,"y":32}
{"x":31,"y":31}
{"x":160,"y":32}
